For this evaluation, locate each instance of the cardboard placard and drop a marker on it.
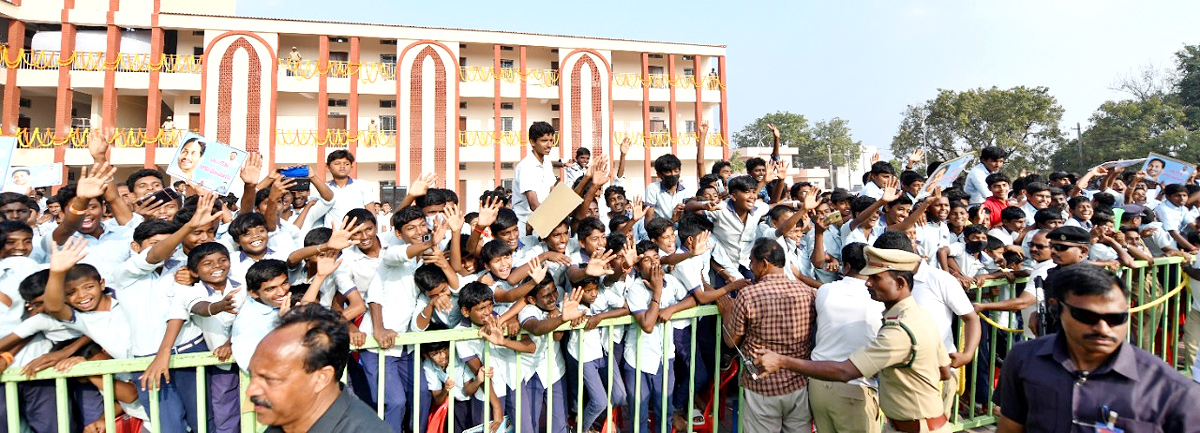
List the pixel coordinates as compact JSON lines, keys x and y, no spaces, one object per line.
{"x":557,"y":206}
{"x":1166,"y":170}
{"x":1123,"y":163}
{"x":207,"y":163}
{"x":947,"y":172}
{"x":34,"y":176}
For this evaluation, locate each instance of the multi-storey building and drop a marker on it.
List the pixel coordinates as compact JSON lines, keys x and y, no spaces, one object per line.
{"x":403,"y":99}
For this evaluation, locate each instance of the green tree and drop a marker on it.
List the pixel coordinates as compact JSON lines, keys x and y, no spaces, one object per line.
{"x":1022,"y":120}
{"x":814,"y":143}
{"x":1187,"y":64}
{"x":1129,"y":129}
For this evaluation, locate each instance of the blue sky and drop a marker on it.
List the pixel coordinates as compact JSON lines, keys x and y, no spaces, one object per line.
{"x":863,"y":61}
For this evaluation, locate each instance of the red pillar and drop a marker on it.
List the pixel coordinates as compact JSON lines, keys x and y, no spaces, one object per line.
{"x":322,"y":102}
{"x":671,"y":108}
{"x":12,"y":93}
{"x":496,"y":114}
{"x":521,"y":137}
{"x":724,"y":107}
{"x":154,"y":95}
{"x":646,"y":117}
{"x":352,"y":123}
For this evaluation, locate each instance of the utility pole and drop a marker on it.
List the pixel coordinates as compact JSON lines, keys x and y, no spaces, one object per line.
{"x":1079,"y":140}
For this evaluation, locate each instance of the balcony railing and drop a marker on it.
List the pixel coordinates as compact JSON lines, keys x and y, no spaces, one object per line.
{"x":662,"y":81}
{"x":368,"y":72}
{"x":542,"y":77}
{"x":335,"y":138}
{"x":663,"y":139}
{"x":77,"y":138}
{"x":96,"y":61}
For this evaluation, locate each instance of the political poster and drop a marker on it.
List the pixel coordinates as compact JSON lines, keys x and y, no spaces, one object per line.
{"x":1165,"y":170}
{"x":207,"y":163}
{"x":35,"y":176}
{"x":947,"y":172}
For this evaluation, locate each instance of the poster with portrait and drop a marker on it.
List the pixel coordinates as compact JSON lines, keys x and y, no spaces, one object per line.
{"x":947,"y":172}
{"x":36,"y":176}
{"x":8,"y":149}
{"x":1166,"y":170}
{"x":206,"y":163}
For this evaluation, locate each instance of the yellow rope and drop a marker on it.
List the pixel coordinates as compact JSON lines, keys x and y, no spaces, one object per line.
{"x":1160,"y":300}
{"x":989,"y":321}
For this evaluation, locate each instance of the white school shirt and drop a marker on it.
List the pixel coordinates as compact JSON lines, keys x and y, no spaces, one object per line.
{"x":976,"y":184}
{"x":361,"y":267}
{"x":870,"y":189}
{"x":47,"y":331}
{"x":664,"y":202}
{"x":107,"y":252}
{"x":108,"y":329}
{"x":546,"y":361}
{"x":1030,"y":212}
{"x":930,"y":238}
{"x":969,"y":265}
{"x":148,"y":296}
{"x":734,"y":237}
{"x":832,"y":238}
{"x":1073,"y":222}
{"x":435,"y":378}
{"x":1009,"y":238}
{"x":1158,"y":241}
{"x":450,"y":318}
{"x":216,"y":328}
{"x":356,"y":194}
{"x":850,"y":236}
{"x":239,"y":262}
{"x":501,"y":360}
{"x":396,"y":293}
{"x":847,"y":319}
{"x":1173,"y":218}
{"x":316,"y":213}
{"x":531,"y":175}
{"x":13,"y":270}
{"x":941,"y":294}
{"x":253,"y":322}
{"x":650,"y":346}
{"x":338,"y":282}
{"x":614,"y":296}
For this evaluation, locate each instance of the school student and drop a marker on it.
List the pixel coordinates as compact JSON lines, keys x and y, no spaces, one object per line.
{"x":541,"y":383}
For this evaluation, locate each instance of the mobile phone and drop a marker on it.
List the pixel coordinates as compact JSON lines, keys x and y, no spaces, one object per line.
{"x":295,"y":171}
{"x":300,"y":183}
{"x":161,"y":196}
{"x":834,"y":218}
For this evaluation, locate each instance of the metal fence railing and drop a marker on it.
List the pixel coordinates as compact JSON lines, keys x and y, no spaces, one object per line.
{"x":1158,"y":302}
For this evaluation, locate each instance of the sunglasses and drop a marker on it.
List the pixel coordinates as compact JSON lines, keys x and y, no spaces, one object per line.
{"x":1089,"y":317}
{"x":1062,"y":247}
{"x":1033,"y":245}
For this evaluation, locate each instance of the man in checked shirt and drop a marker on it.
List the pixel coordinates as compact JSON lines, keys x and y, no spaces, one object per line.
{"x":777,"y":314}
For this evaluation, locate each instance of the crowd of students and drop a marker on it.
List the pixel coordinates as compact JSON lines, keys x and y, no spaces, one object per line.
{"x":114,"y":269}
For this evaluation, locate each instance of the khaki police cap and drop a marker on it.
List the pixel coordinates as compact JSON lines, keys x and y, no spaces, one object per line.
{"x":883,"y":260}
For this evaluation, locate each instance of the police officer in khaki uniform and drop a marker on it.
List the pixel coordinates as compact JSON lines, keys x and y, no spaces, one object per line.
{"x":908,"y":353}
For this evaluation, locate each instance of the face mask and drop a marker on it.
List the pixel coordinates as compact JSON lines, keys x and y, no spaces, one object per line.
{"x":670,"y":181}
{"x":431,"y":221}
{"x":976,"y":247}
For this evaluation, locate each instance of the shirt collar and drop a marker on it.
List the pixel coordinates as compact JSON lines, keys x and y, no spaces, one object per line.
{"x":333,"y":183}
{"x":898,"y":310}
{"x":1123,"y":362}
{"x":242,"y":254}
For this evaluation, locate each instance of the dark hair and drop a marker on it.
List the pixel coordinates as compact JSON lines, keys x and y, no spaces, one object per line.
{"x":992,"y":153}
{"x":12,"y":226}
{"x":244,"y":222}
{"x":1102,"y":216}
{"x":840,"y":195}
{"x":994,"y":243}
{"x":1077,"y":200}
{"x":505,"y":218}
{"x":434,"y":197}
{"x":82,"y":271}
{"x":903,"y":200}
{"x":317,"y":236}
{"x":666,"y":163}
{"x":205,"y":249}
{"x":893,"y":240}
{"x":197,"y":140}
{"x":539,"y":129}
{"x":339,"y":154}
{"x":777,"y":212}
{"x":646,"y":245}
{"x":428,"y":276}
{"x":327,"y":337}
{"x":429,"y":348}
{"x":472,"y":294}
{"x":406,"y":215}
{"x":1043,"y":216}
{"x":1032,"y":188}
{"x":1104,"y":200}
{"x":854,"y":255}
{"x":33,"y":286}
{"x":1159,"y":160}
{"x":360,"y":216}
{"x":614,"y":189}
{"x":1013,"y":257}
{"x":260,"y":196}
{"x":615,"y":222}
{"x":582,"y":151}
{"x":177,"y":183}
{"x":262,"y":271}
{"x":1012,"y":213}
{"x":743,"y":183}
{"x":692,"y":225}
{"x":499,"y":195}
{"x":150,"y":228}
{"x":860,"y":204}
{"x":615,"y":242}
{"x":908,"y":177}
{"x":754,"y":163}
{"x":707,"y":181}
{"x":973,"y":229}
{"x":494,"y":248}
{"x":656,"y":227}
{"x":587,"y":226}
{"x":882,"y":167}
{"x":7,"y":198}
{"x":717,"y":166}
{"x":587,"y":280}
{"x":538,"y":287}
{"x":138,"y":175}
{"x":1083,"y":279}
{"x":768,"y":250}
{"x":1174,"y":188}
{"x":906,"y":276}
{"x":995,"y":178}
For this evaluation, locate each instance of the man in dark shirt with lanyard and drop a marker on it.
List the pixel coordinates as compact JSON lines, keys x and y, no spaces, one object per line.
{"x":1087,"y":377}
{"x":295,"y":377}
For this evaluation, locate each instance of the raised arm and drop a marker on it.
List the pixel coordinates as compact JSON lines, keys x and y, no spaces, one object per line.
{"x":250,"y":174}
{"x":91,"y":185}
{"x":203,"y":218}
{"x":62,"y":259}
{"x":418,"y":189}
{"x":700,"y":141}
